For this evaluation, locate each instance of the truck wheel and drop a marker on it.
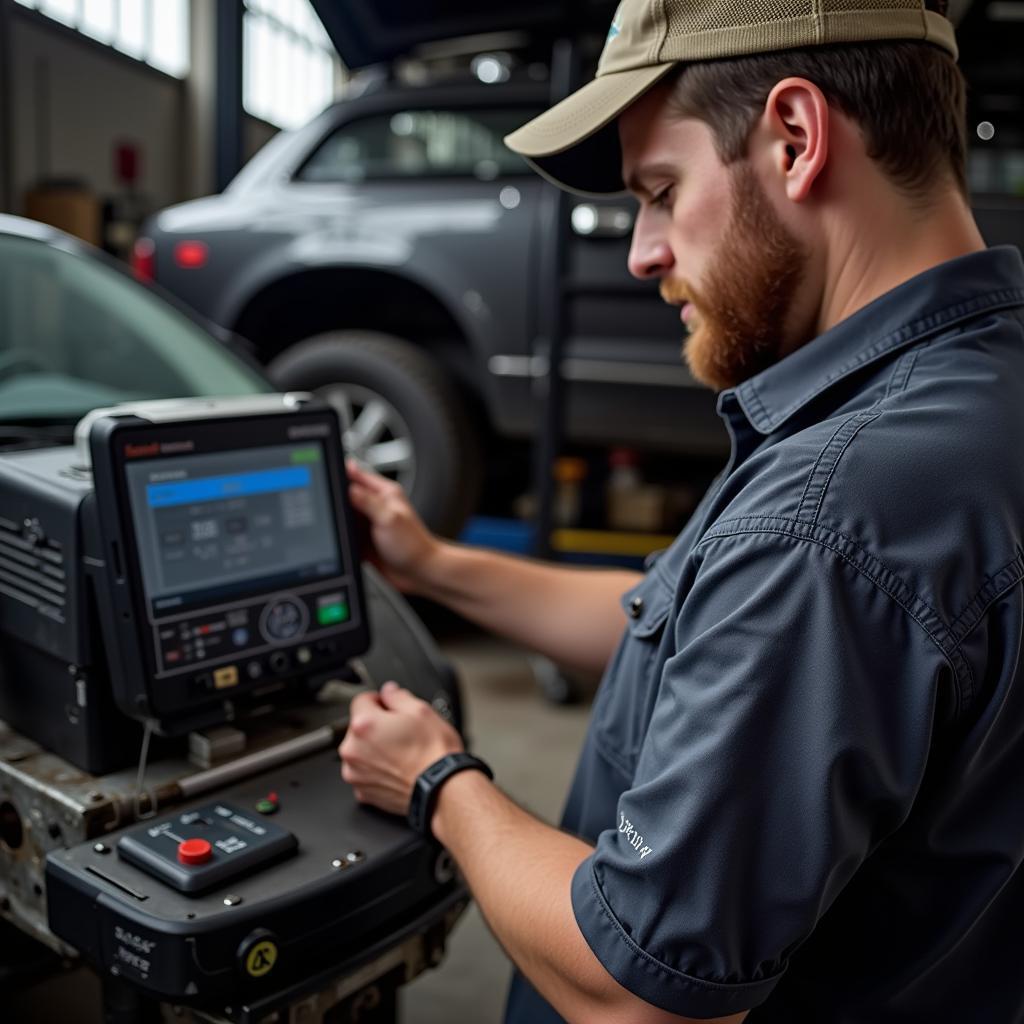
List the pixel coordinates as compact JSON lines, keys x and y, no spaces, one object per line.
{"x":400,"y":414}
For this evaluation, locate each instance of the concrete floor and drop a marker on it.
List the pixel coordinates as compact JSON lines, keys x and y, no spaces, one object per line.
{"x":532,"y":746}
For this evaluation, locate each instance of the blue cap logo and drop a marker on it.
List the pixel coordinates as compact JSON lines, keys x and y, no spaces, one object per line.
{"x":616,"y":26}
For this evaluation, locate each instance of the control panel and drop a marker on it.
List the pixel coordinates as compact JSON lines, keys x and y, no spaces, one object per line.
{"x":243,"y":642}
{"x":232,"y":554}
{"x":339,"y":886}
{"x":207,"y":846}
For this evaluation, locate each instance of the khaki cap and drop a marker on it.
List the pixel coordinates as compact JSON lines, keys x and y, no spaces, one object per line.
{"x":575,"y":144}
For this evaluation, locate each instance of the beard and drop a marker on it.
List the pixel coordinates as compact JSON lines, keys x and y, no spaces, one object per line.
{"x":740,"y":311}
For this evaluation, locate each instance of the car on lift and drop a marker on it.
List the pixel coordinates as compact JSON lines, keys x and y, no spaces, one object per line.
{"x":394,"y":254}
{"x":391,"y":254}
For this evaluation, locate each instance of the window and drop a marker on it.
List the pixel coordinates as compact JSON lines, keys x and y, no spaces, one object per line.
{"x":291,"y":69}
{"x":76,"y":334}
{"x":991,"y":37}
{"x":996,"y":172}
{"x":995,"y":160}
{"x":420,"y":143}
{"x":153,"y":31}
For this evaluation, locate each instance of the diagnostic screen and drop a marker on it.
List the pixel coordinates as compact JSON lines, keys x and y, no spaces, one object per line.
{"x":210,"y":526}
{"x":230,"y":558}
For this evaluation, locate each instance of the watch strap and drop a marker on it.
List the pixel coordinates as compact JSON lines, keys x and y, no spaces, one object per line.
{"x":428,"y":784}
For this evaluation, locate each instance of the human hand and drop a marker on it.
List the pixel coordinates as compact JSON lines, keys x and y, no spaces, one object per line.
{"x":401,"y":545}
{"x":392,"y":736}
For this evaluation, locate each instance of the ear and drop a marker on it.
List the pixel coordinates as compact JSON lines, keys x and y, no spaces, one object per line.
{"x":796,"y":126}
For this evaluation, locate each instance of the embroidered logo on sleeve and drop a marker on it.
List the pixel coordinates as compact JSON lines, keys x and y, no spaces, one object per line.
{"x":632,"y":836}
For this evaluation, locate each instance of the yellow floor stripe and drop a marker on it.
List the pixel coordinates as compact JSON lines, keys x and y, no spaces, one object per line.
{"x":609,"y":542}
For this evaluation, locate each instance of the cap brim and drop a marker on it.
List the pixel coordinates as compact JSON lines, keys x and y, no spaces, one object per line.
{"x":575,"y":144}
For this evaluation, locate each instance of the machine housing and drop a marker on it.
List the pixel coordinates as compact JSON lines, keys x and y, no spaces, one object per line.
{"x":215,"y":557}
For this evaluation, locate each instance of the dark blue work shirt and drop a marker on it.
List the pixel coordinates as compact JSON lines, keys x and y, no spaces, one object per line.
{"x":805,"y":771}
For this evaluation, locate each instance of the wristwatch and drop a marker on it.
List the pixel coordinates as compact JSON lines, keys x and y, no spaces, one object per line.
{"x":424,"y":792}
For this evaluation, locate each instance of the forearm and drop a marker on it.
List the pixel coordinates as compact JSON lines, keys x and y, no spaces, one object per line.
{"x":572,"y":615}
{"x":520,"y":873}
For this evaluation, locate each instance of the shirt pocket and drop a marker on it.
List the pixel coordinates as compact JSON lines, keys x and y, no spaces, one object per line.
{"x":622,"y":708}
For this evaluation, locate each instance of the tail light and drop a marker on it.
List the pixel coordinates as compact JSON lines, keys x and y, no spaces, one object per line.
{"x":191,"y":255}
{"x":144,"y":259}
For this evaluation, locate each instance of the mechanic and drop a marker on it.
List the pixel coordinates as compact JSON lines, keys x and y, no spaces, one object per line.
{"x":801,"y":797}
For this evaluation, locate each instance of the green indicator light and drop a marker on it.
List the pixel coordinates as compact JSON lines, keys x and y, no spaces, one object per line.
{"x":301,"y":455}
{"x":331,"y":614}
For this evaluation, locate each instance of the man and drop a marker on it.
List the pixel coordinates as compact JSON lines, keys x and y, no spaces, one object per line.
{"x":801,"y":795}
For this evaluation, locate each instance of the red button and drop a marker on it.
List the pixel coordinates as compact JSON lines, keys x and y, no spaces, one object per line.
{"x":195,"y":851}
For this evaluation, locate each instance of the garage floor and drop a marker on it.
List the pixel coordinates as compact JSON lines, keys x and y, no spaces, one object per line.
{"x":532,"y":746}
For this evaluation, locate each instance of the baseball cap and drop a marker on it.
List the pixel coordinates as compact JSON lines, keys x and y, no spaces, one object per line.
{"x":575,"y":144}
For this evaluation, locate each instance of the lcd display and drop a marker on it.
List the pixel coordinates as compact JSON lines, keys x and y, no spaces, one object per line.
{"x":212,"y":525}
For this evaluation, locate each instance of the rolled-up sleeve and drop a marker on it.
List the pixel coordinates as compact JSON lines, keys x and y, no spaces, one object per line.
{"x":788,"y":736}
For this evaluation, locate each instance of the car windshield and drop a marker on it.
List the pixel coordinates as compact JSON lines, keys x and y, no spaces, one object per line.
{"x":75,"y":334}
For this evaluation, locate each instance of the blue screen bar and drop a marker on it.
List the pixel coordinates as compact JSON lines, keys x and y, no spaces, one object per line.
{"x":215,"y":488}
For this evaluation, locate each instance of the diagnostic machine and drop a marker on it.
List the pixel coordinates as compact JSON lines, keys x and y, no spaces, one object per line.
{"x":184,"y":620}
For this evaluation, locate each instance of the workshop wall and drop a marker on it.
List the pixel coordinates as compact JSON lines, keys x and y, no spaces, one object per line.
{"x":74,"y":100}
{"x":199,"y":112}
{"x":257,"y":134}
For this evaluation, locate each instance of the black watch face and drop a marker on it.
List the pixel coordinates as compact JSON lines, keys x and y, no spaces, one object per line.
{"x":424,"y":793}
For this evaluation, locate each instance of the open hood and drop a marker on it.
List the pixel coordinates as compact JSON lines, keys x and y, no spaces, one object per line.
{"x":366,"y":32}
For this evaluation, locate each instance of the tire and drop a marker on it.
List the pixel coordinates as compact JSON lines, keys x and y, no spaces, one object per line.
{"x":401,"y":414}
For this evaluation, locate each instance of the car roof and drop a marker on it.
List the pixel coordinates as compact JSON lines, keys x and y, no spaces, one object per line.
{"x":366,"y":32}
{"x":24,"y":228}
{"x":456,"y":91}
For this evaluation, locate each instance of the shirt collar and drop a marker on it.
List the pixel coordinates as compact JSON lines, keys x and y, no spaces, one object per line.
{"x":926,"y":304}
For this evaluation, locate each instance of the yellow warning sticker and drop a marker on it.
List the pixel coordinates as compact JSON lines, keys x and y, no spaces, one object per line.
{"x":261,"y":958}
